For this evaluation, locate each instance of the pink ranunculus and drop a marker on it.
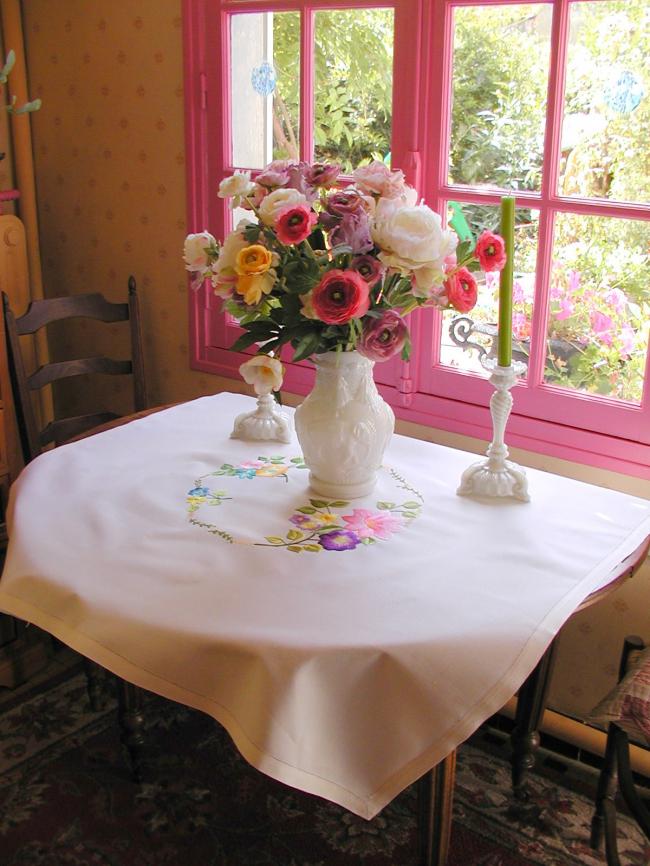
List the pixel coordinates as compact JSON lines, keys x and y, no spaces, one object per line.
{"x":383,"y":337}
{"x":340,"y":296}
{"x":294,"y":223}
{"x":353,"y":230}
{"x":462,"y":290}
{"x":339,"y":204}
{"x":373,"y":524}
{"x":275,"y":174}
{"x":377,"y":179}
{"x":323,"y":174}
{"x":370,"y":268}
{"x":602,"y":327}
{"x":491,"y":251}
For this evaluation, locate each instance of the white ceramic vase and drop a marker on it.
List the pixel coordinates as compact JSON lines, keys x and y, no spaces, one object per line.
{"x":343,"y":426}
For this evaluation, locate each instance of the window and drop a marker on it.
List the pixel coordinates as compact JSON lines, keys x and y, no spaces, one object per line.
{"x":546,"y":100}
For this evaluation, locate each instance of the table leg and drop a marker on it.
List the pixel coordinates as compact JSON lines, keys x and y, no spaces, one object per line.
{"x":531,"y":703}
{"x":435,"y":800}
{"x":132,"y":723}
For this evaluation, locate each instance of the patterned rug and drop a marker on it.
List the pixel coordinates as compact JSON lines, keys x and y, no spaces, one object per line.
{"x":66,"y":799}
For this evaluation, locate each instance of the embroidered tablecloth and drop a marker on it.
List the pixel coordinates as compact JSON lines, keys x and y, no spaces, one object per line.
{"x":346,"y":646}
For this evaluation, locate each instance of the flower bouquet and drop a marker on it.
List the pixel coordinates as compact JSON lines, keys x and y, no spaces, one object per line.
{"x":333,"y":270}
{"x":325,"y":267}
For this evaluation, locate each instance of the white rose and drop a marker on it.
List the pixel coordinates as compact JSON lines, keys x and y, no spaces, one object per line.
{"x":237,"y":186}
{"x":276,"y":200}
{"x":263,"y":373}
{"x":412,"y":239}
{"x":195,"y":251}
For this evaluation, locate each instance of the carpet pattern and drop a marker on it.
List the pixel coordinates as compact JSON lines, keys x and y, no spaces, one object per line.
{"x":66,"y":799}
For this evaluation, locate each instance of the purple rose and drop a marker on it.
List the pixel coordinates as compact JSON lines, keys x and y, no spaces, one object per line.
{"x":370,"y":268}
{"x":339,"y":539}
{"x":384,"y":337}
{"x":353,"y":230}
{"x":323,"y":174}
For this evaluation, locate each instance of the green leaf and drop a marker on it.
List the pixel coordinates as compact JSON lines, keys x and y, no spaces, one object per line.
{"x":385,"y":506}
{"x":294,"y":534}
{"x":339,"y":503}
{"x":297,"y":460}
{"x":313,"y":548}
{"x":409,"y":514}
{"x":306,"y":509}
{"x":318,"y":503}
{"x":306,"y":347}
{"x":273,"y":539}
{"x":294,"y":548}
{"x":412,"y":505}
{"x":243,"y":342}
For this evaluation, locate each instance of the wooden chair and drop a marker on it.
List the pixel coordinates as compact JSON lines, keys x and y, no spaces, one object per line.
{"x":36,"y":438}
{"x":634,"y":681}
{"x":39,"y":315}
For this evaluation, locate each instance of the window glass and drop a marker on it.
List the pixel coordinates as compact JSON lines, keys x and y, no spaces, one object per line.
{"x":500,"y":70}
{"x":599,"y":305}
{"x":353,"y":88}
{"x":606,"y":126}
{"x":466,"y":339}
{"x":265,"y":91}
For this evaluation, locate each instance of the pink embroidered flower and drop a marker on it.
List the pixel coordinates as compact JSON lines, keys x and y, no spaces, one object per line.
{"x":373,"y":524}
{"x":491,"y":251}
{"x":462,"y":290}
{"x":294,"y":223}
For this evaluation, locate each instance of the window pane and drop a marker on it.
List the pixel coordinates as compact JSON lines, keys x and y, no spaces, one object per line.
{"x":466,"y":338}
{"x":606,"y":124}
{"x":500,"y":70}
{"x":599,"y":305}
{"x":353,"y":85}
{"x":265,"y":87}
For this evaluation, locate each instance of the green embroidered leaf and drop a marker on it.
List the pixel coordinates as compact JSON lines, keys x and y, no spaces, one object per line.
{"x":318,"y":503}
{"x":273,"y":539}
{"x":385,"y":506}
{"x":410,"y":514}
{"x":294,"y":548}
{"x":339,"y":503}
{"x":366,"y":540}
{"x":227,"y":466}
{"x":306,"y":509}
{"x":313,"y":548}
{"x":277,"y":458}
{"x":412,"y":505}
{"x":221,"y":493}
{"x":297,"y":460}
{"x":294,"y":534}
{"x":263,"y":459}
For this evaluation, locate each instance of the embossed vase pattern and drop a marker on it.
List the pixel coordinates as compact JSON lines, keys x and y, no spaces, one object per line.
{"x":343,"y":426}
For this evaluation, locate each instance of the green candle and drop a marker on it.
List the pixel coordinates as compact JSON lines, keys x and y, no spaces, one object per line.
{"x":504,"y":357}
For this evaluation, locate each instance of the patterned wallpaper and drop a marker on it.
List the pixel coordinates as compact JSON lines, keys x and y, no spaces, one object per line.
{"x":111,"y":188}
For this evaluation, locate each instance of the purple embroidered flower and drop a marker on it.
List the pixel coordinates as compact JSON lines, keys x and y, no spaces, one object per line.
{"x":339,"y":539}
{"x":300,"y":519}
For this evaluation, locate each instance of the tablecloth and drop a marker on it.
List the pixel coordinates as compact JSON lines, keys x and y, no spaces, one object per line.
{"x":346,"y":647}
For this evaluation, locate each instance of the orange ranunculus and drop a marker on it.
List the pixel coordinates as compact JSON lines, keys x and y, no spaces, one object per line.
{"x":254,"y":259}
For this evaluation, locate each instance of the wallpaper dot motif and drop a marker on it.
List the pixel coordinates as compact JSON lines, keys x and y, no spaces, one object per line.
{"x":110,"y":167}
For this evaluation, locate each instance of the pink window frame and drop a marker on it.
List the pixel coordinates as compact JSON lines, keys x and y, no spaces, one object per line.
{"x":546,"y":419}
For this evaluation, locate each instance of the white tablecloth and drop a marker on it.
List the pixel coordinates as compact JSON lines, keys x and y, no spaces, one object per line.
{"x":346,"y":662}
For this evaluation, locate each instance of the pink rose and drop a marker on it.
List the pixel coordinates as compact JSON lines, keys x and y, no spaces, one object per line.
{"x":491,"y":251}
{"x":378,"y":180}
{"x":294,"y":223}
{"x":383,"y":337}
{"x":462,"y":290}
{"x":340,"y":296}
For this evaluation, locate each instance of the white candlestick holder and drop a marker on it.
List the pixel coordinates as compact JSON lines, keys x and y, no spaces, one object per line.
{"x":497,"y":476}
{"x":266,"y":422}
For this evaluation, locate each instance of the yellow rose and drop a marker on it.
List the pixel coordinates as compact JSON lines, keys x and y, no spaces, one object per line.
{"x":254,"y":259}
{"x":253,"y":286}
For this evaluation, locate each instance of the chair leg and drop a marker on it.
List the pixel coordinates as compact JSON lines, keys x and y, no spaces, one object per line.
{"x":132,"y":724}
{"x":435,"y":801}
{"x":604,"y":819}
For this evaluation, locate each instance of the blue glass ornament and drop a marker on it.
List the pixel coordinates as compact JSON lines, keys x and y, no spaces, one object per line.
{"x":264,"y":79}
{"x":624,"y":93}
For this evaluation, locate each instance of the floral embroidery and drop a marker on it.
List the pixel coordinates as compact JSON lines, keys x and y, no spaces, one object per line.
{"x":317,"y":525}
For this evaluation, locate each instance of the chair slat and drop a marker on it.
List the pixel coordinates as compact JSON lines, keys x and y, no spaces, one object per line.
{"x":48,"y":310}
{"x":58,"y":432}
{"x":65,"y":369}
